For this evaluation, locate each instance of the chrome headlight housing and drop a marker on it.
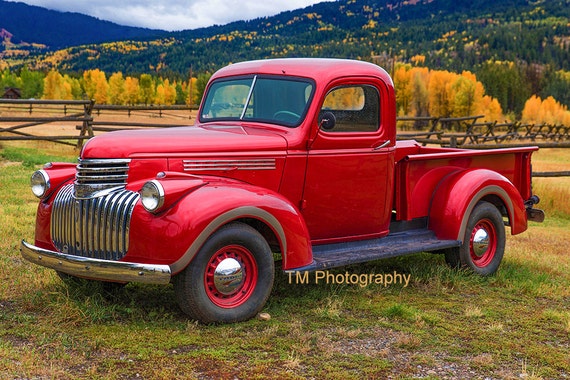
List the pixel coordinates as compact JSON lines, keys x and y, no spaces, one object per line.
{"x":40,"y":183}
{"x":152,"y":196}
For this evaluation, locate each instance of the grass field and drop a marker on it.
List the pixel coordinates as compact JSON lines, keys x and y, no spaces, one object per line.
{"x":444,"y":324}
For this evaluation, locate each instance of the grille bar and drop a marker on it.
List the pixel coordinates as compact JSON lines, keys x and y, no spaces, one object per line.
{"x":96,"y":228}
{"x":97,"y":176}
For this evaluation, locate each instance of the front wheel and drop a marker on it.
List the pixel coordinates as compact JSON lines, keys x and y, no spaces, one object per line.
{"x":230,"y":279}
{"x":483,"y":243}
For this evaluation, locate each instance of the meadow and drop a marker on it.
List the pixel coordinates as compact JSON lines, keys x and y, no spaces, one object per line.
{"x":444,"y":324}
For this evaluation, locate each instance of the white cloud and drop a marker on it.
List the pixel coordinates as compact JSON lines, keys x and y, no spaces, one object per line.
{"x":173,"y":14}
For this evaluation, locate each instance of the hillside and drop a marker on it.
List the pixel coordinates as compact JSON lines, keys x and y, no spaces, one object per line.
{"x":447,"y":34}
{"x":516,"y":48}
{"x":37,"y":28}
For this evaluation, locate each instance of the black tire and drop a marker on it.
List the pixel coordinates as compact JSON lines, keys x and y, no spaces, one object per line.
{"x":483,"y":243}
{"x":207,"y":294}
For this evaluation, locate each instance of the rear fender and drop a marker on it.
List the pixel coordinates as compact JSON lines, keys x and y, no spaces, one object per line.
{"x":456,"y":196}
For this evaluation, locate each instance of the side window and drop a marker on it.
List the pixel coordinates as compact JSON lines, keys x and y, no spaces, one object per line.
{"x":354,"y":109}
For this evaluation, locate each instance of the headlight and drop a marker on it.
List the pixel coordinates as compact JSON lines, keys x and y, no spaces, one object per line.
{"x":152,"y":196}
{"x":40,"y":183}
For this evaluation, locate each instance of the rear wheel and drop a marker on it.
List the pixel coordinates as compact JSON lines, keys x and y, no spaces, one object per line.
{"x":230,"y":279}
{"x":483,"y":243}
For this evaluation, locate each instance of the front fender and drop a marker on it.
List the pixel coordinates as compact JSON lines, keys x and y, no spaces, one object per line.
{"x":176,"y":236}
{"x":457,"y":194}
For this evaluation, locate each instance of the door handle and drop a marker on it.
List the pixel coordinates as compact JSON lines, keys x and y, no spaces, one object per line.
{"x":383,"y":145}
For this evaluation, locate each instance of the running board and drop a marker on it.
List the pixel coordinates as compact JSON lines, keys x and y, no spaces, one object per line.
{"x":396,"y":244}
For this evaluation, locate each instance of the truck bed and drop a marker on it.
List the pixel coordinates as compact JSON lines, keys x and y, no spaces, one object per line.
{"x":419,"y":170}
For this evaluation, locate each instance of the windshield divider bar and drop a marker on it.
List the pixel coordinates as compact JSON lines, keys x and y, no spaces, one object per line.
{"x":248,"y":98}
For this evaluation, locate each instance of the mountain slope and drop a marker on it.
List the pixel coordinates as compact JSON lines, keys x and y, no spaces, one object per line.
{"x":438,"y":33}
{"x":58,"y":30}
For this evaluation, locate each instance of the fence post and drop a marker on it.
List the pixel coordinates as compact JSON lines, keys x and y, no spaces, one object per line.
{"x":453,"y":142}
{"x":87,"y":125}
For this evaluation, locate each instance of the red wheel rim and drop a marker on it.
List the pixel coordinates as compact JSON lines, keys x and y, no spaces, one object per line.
{"x":231,"y":276}
{"x":483,"y":243}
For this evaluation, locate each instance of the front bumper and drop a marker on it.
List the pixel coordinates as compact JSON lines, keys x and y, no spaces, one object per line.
{"x":103,"y":270}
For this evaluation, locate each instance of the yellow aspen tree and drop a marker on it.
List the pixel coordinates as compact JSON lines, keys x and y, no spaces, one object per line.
{"x":117,"y":93}
{"x":89,"y":85}
{"x":420,"y":98}
{"x":147,"y":89}
{"x":490,"y":108}
{"x":74,"y":86}
{"x":160,"y":95}
{"x":55,"y":87}
{"x":441,"y":94}
{"x":531,"y":110}
{"x":169,"y":92}
{"x":192,"y":92}
{"x":95,"y":85}
{"x":565,"y":120}
{"x":132,"y":91}
{"x":470,"y":101}
{"x":403,"y":85}
{"x":549,"y":111}
{"x":165,"y":93}
{"x":464,"y":97}
{"x":101,"y":88}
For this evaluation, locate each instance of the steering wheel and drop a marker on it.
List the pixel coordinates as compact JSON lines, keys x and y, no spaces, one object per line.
{"x":286,"y":116}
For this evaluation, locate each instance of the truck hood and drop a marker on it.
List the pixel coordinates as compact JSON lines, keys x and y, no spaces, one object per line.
{"x":182,"y":140}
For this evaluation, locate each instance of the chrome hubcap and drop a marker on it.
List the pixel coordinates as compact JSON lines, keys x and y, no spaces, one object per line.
{"x":228,"y":276}
{"x":480,"y":242}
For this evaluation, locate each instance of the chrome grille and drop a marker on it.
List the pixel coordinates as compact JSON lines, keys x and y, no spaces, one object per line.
{"x":96,"y":228}
{"x":96,"y":177}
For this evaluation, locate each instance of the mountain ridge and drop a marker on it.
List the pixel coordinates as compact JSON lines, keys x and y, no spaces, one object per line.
{"x":28,"y":24}
{"x":443,"y":34}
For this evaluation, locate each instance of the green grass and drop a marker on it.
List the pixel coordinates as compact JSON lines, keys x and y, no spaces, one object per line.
{"x":444,"y":324}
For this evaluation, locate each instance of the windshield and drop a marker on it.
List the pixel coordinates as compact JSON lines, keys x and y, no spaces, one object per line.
{"x":282,"y":101}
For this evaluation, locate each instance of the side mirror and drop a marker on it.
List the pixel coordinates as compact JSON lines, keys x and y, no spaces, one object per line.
{"x":327,"y":121}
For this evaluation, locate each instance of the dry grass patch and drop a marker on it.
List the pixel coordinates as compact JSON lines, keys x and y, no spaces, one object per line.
{"x":445,"y":324}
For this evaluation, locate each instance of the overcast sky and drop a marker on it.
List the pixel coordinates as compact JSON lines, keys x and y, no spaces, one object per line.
{"x":173,"y":14}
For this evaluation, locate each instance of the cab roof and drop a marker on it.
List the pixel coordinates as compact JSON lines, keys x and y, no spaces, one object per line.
{"x":319,"y":69}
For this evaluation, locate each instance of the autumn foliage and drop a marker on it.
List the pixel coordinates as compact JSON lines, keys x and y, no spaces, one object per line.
{"x":547,"y":111}
{"x":120,"y":90}
{"x":440,"y":93}
{"x":420,"y":92}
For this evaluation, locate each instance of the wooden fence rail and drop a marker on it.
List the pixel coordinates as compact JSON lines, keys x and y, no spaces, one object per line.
{"x":455,"y":132}
{"x":469,"y":131}
{"x":551,"y":174}
{"x":465,"y":132}
{"x":16,"y":115}
{"x":13,"y":119}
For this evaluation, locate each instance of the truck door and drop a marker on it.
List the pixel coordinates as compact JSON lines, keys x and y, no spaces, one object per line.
{"x":348,"y":186}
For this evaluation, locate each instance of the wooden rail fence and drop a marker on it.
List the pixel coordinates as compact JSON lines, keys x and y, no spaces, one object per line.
{"x":19,"y":115}
{"x":464,"y":132}
{"x":13,"y":119}
{"x":469,"y":132}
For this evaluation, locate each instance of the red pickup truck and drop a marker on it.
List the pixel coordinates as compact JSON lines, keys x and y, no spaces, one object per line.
{"x":289,"y":158}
